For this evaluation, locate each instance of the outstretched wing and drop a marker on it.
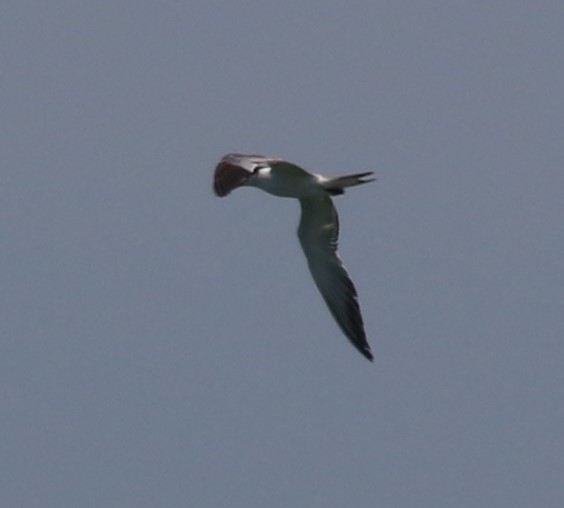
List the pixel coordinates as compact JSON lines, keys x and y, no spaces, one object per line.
{"x":319,"y":233}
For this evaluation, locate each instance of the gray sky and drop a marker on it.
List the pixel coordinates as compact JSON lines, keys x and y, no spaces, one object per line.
{"x":163,"y":347}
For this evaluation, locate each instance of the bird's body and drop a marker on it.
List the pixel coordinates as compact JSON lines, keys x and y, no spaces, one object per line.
{"x":318,"y":230}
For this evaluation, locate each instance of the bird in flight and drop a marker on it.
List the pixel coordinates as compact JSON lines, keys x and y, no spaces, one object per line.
{"x":318,"y":230}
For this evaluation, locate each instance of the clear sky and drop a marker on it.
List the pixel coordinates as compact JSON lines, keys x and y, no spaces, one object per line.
{"x":164,"y":347}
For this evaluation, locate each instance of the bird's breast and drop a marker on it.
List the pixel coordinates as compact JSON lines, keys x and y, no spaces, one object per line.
{"x":287,"y":185}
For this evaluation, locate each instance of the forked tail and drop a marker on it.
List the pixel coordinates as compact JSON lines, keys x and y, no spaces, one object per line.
{"x":336,"y":186}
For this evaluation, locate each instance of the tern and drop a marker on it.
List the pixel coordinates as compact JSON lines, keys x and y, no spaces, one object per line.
{"x":318,"y":230}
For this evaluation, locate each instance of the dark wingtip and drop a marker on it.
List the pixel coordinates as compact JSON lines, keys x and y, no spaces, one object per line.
{"x":367,"y":354}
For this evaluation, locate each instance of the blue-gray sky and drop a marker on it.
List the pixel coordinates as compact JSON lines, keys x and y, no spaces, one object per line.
{"x":163,"y":347}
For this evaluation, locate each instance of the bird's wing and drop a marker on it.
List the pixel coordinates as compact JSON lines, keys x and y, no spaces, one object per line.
{"x":319,"y":233}
{"x":229,"y":174}
{"x":234,"y":169}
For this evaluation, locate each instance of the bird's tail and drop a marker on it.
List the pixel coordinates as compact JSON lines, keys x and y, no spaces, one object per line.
{"x":336,"y":186}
